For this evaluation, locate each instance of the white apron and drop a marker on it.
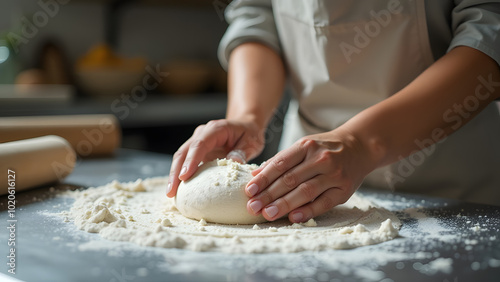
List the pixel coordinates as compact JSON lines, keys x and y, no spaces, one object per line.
{"x":342,"y":62}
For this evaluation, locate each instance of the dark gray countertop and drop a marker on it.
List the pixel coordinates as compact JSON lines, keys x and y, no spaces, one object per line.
{"x":47,"y":249}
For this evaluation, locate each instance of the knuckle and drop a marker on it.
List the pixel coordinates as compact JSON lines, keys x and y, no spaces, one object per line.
{"x":290,"y":180}
{"x":307,"y":190}
{"x":211,"y":123}
{"x":325,"y":157}
{"x":266,"y":197}
{"x":284,"y":205}
{"x":343,"y":200}
{"x":262,"y":180}
{"x":326,"y":203}
{"x":279,"y":164}
{"x":198,"y":144}
{"x":306,"y":143}
{"x":199,"y":128}
{"x":217,"y":124}
{"x":220,"y":126}
{"x":177,"y":154}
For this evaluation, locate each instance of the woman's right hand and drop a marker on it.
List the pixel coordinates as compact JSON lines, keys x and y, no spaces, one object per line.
{"x":237,"y":140}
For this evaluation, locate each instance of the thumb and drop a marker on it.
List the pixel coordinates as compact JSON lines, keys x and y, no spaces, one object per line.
{"x":237,"y":155}
{"x":245,"y":150}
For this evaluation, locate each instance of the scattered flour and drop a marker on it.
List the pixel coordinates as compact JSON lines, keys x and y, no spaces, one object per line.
{"x":117,"y":211}
{"x":444,"y":265}
{"x":428,"y":244}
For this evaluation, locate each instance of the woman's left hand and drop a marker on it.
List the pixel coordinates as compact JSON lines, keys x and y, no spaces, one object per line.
{"x":315,"y":174}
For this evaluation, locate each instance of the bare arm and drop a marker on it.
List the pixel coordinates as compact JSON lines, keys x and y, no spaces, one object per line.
{"x":323,"y":170}
{"x":438,"y":102}
{"x":256,"y":81}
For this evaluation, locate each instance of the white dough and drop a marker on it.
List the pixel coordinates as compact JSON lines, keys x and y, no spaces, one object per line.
{"x":216,"y":193}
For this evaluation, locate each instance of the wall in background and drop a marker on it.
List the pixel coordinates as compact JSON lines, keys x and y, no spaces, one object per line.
{"x":159,"y":32}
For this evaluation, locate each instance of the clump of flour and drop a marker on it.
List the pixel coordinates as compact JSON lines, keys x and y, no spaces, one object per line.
{"x":139,"y":212}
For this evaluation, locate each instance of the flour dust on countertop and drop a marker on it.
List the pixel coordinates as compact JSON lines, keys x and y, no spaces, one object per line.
{"x":435,"y":241}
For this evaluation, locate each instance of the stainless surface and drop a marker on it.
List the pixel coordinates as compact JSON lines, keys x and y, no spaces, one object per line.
{"x":49,"y":249}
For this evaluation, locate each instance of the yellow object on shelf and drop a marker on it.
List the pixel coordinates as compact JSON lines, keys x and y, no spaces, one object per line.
{"x":100,"y":56}
{"x":102,"y":72}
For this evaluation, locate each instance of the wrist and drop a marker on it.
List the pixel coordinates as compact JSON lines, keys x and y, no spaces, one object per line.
{"x":372,"y":150}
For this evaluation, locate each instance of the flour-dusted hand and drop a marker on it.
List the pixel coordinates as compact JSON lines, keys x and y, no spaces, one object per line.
{"x":315,"y":174}
{"x":216,"y":139}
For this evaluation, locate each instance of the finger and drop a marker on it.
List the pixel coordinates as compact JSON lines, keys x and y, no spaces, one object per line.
{"x":304,"y":194}
{"x":303,"y":144}
{"x":175,"y":168}
{"x":323,"y":203}
{"x":246,"y":148}
{"x":177,"y":160}
{"x":274,"y":168}
{"x":215,"y":134}
{"x":258,"y":170}
{"x":287,"y":183}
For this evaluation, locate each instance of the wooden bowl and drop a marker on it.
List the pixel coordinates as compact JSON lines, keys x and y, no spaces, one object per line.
{"x":109,"y":81}
{"x":186,"y":77}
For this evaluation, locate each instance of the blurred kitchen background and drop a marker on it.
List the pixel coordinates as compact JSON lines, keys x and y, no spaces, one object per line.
{"x":66,"y":57}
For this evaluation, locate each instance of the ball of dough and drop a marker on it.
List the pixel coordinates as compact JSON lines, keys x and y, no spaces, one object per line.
{"x":216,"y":193}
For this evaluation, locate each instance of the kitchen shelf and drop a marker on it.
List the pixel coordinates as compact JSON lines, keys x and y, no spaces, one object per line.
{"x":155,"y":111}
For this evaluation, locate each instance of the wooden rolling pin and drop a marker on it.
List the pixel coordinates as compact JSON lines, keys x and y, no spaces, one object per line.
{"x":33,"y":162}
{"x":89,"y":135}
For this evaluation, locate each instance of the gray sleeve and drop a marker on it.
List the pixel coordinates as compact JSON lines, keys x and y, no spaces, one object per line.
{"x":476,"y":24}
{"x":249,"y":21}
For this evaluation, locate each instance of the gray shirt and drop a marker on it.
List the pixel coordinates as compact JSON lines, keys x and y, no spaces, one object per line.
{"x":328,"y":90}
{"x":473,"y":23}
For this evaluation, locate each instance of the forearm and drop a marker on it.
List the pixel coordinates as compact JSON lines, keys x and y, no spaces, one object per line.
{"x":256,"y":80}
{"x":438,"y":102}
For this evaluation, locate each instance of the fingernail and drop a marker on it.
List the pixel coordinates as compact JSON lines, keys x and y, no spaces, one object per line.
{"x":298,"y":217}
{"x":252,"y":189}
{"x":256,"y":206}
{"x":271,"y":211}
{"x":183,"y":170}
{"x":237,"y":155}
{"x":169,"y":187}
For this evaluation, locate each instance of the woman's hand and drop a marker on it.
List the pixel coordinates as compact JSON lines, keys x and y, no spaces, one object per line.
{"x":237,"y":140}
{"x":315,"y":174}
